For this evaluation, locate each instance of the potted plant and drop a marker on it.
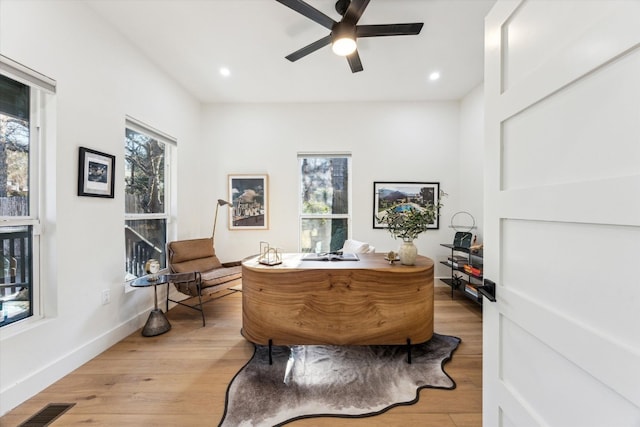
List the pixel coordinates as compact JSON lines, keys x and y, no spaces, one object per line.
{"x":408,"y":221}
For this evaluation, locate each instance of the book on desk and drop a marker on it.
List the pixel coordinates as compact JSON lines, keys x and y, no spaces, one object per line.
{"x":331,"y":256}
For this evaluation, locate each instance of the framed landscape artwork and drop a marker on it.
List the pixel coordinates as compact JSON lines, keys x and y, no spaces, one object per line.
{"x":402,"y":196}
{"x":248,"y":195}
{"x":96,"y":173}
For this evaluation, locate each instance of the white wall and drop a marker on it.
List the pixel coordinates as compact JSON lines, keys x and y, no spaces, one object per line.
{"x":472,"y":157}
{"x":412,"y":141}
{"x":100,"y":80}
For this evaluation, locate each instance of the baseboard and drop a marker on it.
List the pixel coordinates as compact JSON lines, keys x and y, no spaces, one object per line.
{"x":17,"y":393}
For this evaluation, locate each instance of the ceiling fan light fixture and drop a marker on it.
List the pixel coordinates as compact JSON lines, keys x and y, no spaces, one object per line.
{"x":343,"y":39}
{"x":344,"y":33}
{"x":344,"y":46}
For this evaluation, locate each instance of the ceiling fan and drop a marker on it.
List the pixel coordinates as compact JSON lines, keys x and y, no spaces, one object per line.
{"x":344,"y":33}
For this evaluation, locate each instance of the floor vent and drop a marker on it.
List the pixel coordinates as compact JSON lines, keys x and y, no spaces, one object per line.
{"x":47,"y":415}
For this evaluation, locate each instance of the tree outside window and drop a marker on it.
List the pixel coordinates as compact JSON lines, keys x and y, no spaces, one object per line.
{"x":16,"y":232}
{"x":145,"y":210}
{"x":324,"y":207}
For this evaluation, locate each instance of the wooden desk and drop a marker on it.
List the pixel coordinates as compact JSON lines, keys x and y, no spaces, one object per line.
{"x":361,"y":302}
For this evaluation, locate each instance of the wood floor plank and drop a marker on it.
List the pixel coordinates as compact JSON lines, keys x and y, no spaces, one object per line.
{"x":180,"y":378}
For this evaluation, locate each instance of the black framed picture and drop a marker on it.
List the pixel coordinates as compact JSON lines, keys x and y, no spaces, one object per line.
{"x":96,"y":173}
{"x":402,"y":196}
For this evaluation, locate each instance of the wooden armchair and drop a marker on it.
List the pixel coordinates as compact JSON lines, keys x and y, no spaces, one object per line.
{"x":198,"y":255}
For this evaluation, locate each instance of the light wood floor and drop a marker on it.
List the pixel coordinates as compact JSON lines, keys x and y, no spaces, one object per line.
{"x":180,"y":378}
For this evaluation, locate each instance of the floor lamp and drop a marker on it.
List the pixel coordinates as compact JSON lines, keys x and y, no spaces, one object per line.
{"x":215,"y":220}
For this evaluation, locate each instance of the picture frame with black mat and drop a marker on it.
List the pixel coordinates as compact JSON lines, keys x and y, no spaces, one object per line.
{"x":96,"y":173}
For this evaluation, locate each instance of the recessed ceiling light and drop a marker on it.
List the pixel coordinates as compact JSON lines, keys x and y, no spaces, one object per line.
{"x":225,"y":71}
{"x":434,"y":76}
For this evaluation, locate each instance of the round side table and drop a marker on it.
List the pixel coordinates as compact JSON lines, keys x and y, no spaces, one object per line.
{"x":157,"y":323}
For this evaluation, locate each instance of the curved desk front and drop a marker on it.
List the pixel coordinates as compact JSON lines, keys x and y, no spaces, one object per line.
{"x":365,"y":302}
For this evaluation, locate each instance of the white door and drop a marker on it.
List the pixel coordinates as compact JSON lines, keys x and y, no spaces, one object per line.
{"x":562,"y":213}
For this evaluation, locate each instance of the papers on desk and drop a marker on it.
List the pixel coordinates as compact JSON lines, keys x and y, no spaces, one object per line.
{"x":330,"y":256}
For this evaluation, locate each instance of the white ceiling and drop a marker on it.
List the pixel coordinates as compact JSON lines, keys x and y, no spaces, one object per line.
{"x":192,"y":39}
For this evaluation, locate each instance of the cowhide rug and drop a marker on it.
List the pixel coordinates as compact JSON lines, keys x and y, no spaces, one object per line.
{"x":343,"y":381}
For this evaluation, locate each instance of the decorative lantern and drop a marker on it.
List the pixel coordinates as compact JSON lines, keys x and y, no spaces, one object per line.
{"x":269,"y":255}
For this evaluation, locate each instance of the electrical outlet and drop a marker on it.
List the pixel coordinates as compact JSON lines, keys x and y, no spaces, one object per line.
{"x":106,"y":297}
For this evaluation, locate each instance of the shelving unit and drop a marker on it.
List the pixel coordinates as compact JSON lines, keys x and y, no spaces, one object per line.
{"x":465,"y":281}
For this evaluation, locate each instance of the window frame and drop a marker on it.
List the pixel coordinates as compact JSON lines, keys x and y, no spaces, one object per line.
{"x":170,"y":146}
{"x":41,"y":90}
{"x":302,"y":216}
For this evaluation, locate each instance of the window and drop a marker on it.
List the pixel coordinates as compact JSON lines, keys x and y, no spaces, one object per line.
{"x":22,"y":100}
{"x":325,"y":207}
{"x":147,"y":156}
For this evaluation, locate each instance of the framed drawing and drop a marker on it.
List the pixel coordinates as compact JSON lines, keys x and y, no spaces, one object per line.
{"x":96,"y":173}
{"x":250,"y":202}
{"x":402,"y":196}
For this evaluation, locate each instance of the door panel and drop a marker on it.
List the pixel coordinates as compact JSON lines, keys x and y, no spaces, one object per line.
{"x":545,"y":383}
{"x":542,"y":146}
{"x":533,"y":35}
{"x":562,"y":214}
{"x":545,"y":278}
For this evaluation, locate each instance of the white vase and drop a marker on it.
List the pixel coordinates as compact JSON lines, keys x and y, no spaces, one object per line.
{"x":408,"y":253}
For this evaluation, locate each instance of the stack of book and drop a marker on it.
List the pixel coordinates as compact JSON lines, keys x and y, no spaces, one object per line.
{"x":472,"y":270}
{"x":457,"y":261}
{"x":471,"y":289}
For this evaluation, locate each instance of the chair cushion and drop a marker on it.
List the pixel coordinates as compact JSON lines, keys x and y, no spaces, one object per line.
{"x":354,"y":246}
{"x":193,"y":255}
{"x":212,"y":281}
{"x":221,"y":275}
{"x":199,"y":255}
{"x":201,"y":264}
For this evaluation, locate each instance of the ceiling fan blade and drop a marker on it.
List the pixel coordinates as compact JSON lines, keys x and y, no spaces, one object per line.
{"x":389,"y":30}
{"x":355,"y":10}
{"x":354,"y":62}
{"x":300,"y":53}
{"x":310,"y":12}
